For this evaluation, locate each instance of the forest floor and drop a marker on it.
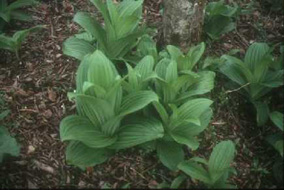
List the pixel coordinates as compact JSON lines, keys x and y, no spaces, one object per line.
{"x":36,"y":87}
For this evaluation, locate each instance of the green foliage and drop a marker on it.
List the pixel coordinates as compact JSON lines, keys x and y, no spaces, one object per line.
{"x":116,"y":38}
{"x":184,"y":116}
{"x":155,"y":103}
{"x":218,"y":167}
{"x":14,"y":43}
{"x":220,"y":19}
{"x":257,"y":75}
{"x":8,"y":144}
{"x":100,"y":127}
{"x":276,"y":140}
{"x":12,"y":12}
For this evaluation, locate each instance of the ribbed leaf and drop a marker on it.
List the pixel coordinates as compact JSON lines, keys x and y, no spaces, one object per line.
{"x":277,"y":118}
{"x":171,"y":72}
{"x":220,"y":159}
{"x":7,"y":43}
{"x":98,"y":111}
{"x":182,"y":135}
{"x":255,"y":54}
{"x":83,"y":156}
{"x":101,"y":70}
{"x":174,"y":52}
{"x":85,"y":36}
{"x":193,"y":108}
{"x":77,"y":48}
{"x":136,"y":101}
{"x":145,"y":67}
{"x":91,"y":26}
{"x":236,"y":70}
{"x":128,"y":7}
{"x":178,"y":181}
{"x":78,"y":128}
{"x":138,"y":131}
{"x":262,"y":112}
{"x":162,"y":112}
{"x":204,"y":84}
{"x":195,"y":171}
{"x":170,"y":153}
{"x":195,"y":54}
{"x":20,"y":3}
{"x":19,"y":15}
{"x":82,"y":73}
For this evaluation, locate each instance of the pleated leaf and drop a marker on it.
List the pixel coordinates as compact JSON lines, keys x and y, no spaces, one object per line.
{"x":193,"y":108}
{"x":83,"y":156}
{"x":255,"y":54}
{"x":277,"y":118}
{"x":220,"y":159}
{"x":195,"y":54}
{"x":78,"y":128}
{"x":170,"y":154}
{"x":101,"y":70}
{"x":262,"y":112}
{"x":138,"y":131}
{"x":98,"y":111}
{"x":195,"y":171}
{"x":136,"y":101}
{"x":8,"y":144}
{"x":77,"y":48}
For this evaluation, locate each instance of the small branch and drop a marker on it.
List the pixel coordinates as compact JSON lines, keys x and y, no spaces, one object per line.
{"x":230,"y":91}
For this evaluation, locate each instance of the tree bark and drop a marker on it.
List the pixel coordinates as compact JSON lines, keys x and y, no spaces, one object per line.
{"x":182,"y":22}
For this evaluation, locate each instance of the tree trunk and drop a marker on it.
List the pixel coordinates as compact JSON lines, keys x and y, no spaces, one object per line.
{"x":182,"y":22}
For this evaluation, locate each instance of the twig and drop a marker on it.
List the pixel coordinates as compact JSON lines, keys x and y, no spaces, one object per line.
{"x":229,"y":91}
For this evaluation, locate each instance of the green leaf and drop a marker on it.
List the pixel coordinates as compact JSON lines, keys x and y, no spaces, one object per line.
{"x":182,"y":136}
{"x":85,"y":36}
{"x":276,"y":117}
{"x":193,"y":108}
{"x":83,"y":156}
{"x":204,"y":84}
{"x":219,"y":25}
{"x":8,"y":144}
{"x":145,"y":67}
{"x":138,"y":131}
{"x":236,"y":70}
{"x":77,"y":48}
{"x":262,"y":112}
{"x":98,"y":111}
{"x":255,"y":54}
{"x":93,"y":27}
{"x":162,"y":111}
{"x":101,"y":70}
{"x":174,"y":52}
{"x":170,"y":154}
{"x":19,"y":15}
{"x":128,"y":7}
{"x":200,"y":160}
{"x":195,"y":54}
{"x":136,"y":101}
{"x":178,"y":181}
{"x":78,"y":128}
{"x":220,"y":159}
{"x":195,"y":171}
{"x":20,"y":3}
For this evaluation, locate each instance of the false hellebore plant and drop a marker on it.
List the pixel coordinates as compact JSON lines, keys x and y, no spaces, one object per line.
{"x":183,"y":116}
{"x":116,"y":38}
{"x":154,"y":105}
{"x":257,"y":75}
{"x":100,"y":126}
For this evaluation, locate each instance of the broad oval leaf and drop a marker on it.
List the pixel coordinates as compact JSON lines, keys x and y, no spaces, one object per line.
{"x":78,"y":128}
{"x":193,"y":108}
{"x":170,"y":153}
{"x":195,"y":171}
{"x":136,"y":101}
{"x":83,"y":156}
{"x":221,"y":158}
{"x":98,"y":111}
{"x":277,"y":118}
{"x":77,"y":48}
{"x":137,"y":132}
